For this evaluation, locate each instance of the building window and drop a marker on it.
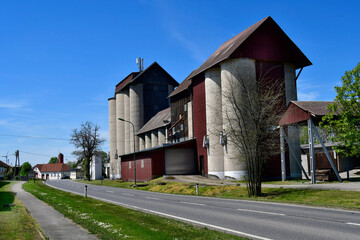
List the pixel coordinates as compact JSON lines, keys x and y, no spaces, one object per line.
{"x":185,"y":107}
{"x":182,"y":127}
{"x":129,"y":165}
{"x":142,"y":163}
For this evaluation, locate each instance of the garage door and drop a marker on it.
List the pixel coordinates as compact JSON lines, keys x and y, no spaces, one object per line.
{"x":179,"y":161}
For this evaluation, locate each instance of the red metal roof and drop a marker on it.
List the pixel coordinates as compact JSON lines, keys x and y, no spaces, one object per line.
{"x":54,"y":167}
{"x":299,"y":111}
{"x":2,"y":164}
{"x":227,"y":49}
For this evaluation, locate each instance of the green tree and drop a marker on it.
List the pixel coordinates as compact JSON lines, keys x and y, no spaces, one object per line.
{"x":25,"y":168}
{"x":87,"y":140}
{"x":343,"y":119}
{"x":53,"y":160}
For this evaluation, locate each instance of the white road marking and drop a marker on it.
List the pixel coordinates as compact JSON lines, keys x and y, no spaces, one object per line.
{"x":127,"y":194}
{"x":110,"y":191}
{"x":174,"y":217}
{"x":199,"y":204}
{"x":271,"y":213}
{"x":355,"y":224}
{"x":153,"y":198}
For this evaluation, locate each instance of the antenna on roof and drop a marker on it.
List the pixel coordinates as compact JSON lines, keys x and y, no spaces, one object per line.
{"x":140,"y":63}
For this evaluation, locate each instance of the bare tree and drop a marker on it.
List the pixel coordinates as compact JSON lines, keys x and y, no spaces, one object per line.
{"x":87,"y":140}
{"x":251,"y":109}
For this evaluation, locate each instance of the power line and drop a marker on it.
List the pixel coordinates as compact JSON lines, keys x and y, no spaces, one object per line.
{"x":38,"y":154}
{"x":48,"y":138}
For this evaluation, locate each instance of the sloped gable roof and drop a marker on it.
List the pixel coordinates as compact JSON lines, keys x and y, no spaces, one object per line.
{"x":156,"y":121}
{"x":4,"y":165}
{"x":134,"y":76}
{"x":227,"y":49}
{"x":54,"y":167}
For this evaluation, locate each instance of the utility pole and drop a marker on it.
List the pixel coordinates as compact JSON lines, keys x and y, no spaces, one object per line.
{"x":17,"y":163}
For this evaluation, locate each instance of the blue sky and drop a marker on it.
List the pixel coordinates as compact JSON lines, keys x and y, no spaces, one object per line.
{"x":60,"y":60}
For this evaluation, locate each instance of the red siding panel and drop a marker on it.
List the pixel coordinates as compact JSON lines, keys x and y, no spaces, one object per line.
{"x":293,"y":115}
{"x":199,"y":118}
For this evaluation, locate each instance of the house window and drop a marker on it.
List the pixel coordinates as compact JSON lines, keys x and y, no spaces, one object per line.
{"x":142,"y":163}
{"x":182,"y":127}
{"x":185,"y":107}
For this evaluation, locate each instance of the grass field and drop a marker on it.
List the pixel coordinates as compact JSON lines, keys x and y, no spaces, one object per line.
{"x":109,"y":221}
{"x":15,"y":221}
{"x":323,"y":198}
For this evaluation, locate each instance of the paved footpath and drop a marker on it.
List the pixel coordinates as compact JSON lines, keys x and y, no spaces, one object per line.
{"x":54,"y":225}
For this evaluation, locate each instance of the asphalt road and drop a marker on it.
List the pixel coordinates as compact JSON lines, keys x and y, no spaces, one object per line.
{"x":258,"y":220}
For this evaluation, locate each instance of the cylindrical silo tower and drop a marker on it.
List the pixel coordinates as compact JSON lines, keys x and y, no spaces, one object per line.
{"x":120,"y":124}
{"x":214,"y":124}
{"x":112,"y":136}
{"x":141,"y":142}
{"x":147,"y":140}
{"x":127,"y":126}
{"x":293,"y":131}
{"x":154,"y":138}
{"x":161,"y":136}
{"x":136,"y":113}
{"x":232,"y":71}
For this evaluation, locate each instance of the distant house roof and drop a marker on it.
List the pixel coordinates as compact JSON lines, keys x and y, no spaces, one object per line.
{"x":134,"y":76}
{"x":54,"y":167}
{"x":299,"y":111}
{"x":4,"y":165}
{"x":157,"y":121}
{"x":230,"y":48}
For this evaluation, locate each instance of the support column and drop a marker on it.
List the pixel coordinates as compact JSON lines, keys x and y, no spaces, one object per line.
{"x":311,"y":152}
{"x":293,"y":131}
{"x":282,"y":148}
{"x":214,"y":124}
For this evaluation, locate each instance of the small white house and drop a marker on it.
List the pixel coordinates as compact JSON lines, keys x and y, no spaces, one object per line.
{"x":51,"y":171}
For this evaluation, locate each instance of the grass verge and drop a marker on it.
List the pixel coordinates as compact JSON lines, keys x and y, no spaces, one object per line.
{"x":313,"y":197}
{"x":109,"y":221}
{"x":15,"y":221}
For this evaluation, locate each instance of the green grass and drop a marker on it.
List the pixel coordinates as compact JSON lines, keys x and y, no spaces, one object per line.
{"x":109,"y":221}
{"x":15,"y":221}
{"x":313,"y":197}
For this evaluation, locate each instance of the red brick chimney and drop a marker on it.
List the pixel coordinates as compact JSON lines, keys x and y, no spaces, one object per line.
{"x":61,"y":158}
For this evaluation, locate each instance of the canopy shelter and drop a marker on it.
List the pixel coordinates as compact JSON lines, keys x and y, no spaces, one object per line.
{"x":301,"y":113}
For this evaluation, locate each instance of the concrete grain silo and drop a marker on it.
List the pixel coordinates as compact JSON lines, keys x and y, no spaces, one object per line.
{"x":214,"y":123}
{"x":261,"y":48}
{"x":138,"y":97}
{"x":112,"y":137}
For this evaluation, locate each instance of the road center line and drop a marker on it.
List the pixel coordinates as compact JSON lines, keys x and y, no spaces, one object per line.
{"x":271,"y":213}
{"x":127,"y":194}
{"x":174,"y":217}
{"x":355,"y":224}
{"x":110,"y":191}
{"x":153,"y":198}
{"x":198,"y":204}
